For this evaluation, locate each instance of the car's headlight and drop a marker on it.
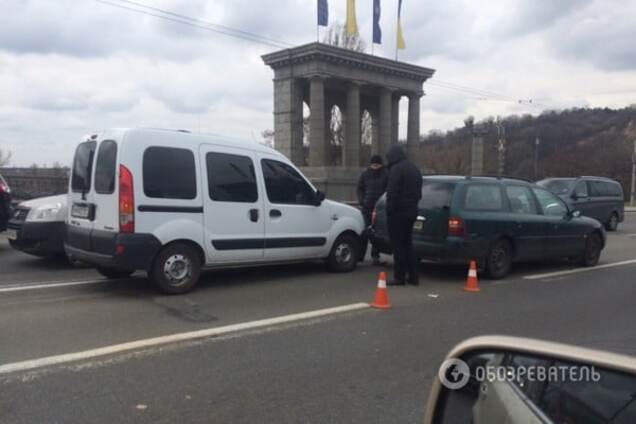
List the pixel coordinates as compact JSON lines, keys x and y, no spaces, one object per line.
{"x":45,"y":212}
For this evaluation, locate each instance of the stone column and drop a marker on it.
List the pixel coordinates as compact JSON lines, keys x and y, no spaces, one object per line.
{"x":385,"y":121}
{"x":288,"y":119}
{"x":317,"y":137}
{"x":395,"y":118}
{"x":413,"y":129}
{"x":351,"y":147}
{"x":375,"y":132}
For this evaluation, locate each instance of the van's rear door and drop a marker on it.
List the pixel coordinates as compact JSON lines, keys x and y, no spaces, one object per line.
{"x":81,"y":207}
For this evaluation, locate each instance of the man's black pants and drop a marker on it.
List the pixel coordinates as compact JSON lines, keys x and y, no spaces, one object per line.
{"x":366,"y":213}
{"x":400,"y":228}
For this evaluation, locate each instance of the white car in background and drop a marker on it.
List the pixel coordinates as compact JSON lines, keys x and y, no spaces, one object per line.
{"x":37,"y":226}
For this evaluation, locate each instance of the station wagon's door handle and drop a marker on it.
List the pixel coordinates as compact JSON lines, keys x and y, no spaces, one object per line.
{"x":254,"y":215}
{"x":275,"y":213}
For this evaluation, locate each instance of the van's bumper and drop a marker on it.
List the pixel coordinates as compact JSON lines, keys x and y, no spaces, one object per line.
{"x":111,"y":250}
{"x":38,"y":238}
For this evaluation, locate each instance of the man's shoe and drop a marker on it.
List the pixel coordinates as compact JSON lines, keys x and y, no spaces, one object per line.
{"x":396,"y":283}
{"x":377,"y":262}
{"x":414,"y":282}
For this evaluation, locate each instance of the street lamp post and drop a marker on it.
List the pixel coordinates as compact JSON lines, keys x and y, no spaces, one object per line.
{"x":536,"y":158}
{"x":632,"y":195}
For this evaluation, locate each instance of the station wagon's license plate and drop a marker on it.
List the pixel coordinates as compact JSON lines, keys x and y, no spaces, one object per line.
{"x":418,"y":225}
{"x":80,"y":211}
{"x":12,"y":234}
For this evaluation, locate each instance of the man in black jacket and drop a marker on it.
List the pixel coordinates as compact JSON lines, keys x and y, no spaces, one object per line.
{"x":372,"y":185}
{"x":403,"y":192}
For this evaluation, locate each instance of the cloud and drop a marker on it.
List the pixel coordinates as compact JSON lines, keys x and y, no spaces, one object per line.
{"x":529,"y":16}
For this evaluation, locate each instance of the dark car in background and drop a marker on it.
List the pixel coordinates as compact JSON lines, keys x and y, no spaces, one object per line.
{"x":495,"y":221}
{"x":5,"y":203}
{"x":597,"y":197}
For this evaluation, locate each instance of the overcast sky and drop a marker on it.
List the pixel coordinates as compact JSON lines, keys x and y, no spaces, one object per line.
{"x":70,"y":67}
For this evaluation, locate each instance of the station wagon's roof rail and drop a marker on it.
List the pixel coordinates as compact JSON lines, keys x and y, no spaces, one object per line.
{"x":499,"y":177}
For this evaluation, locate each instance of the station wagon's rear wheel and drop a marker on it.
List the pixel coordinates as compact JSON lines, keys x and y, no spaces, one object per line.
{"x":499,"y":259}
{"x":176,"y":269}
{"x":344,"y":254}
{"x":593,"y":247}
{"x":612,"y":222}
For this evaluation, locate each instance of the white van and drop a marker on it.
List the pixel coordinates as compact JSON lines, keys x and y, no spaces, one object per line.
{"x":171,"y":203}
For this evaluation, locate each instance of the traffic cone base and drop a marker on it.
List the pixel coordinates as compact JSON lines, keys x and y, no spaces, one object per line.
{"x":472,"y":284}
{"x":381,"y":300}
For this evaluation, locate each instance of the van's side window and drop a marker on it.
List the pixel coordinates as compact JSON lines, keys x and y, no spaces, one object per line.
{"x":105,"y":167}
{"x":83,"y":167}
{"x":483,"y":197}
{"x":581,"y":189}
{"x":231,"y":178}
{"x":169,"y":173}
{"x":284,"y":185}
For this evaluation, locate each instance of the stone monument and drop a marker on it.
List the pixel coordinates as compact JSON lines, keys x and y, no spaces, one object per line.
{"x":322,"y":76}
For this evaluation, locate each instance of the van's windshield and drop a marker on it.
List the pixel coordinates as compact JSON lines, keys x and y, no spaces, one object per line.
{"x":83,"y":167}
{"x":560,"y":186}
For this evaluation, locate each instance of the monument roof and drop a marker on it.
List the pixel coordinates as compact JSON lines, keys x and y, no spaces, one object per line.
{"x":328,"y":54}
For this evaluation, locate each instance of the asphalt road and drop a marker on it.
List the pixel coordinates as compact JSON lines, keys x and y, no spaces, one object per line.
{"x":360,"y":366}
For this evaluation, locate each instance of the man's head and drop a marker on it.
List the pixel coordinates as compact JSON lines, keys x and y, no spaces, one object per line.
{"x":395,"y":155}
{"x":376,"y":162}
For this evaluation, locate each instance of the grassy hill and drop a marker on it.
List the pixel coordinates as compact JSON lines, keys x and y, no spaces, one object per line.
{"x":572,"y":142}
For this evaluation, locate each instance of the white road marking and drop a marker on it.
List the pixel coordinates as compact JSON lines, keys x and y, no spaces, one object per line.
{"x":51,"y":285}
{"x":578,"y":270}
{"x":173,"y":338}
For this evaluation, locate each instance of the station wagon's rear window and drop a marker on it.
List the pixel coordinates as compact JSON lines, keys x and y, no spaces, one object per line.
{"x":231,"y":178}
{"x":169,"y":173}
{"x":436,"y":194}
{"x":83,"y":167}
{"x":483,"y":197}
{"x":105,"y":167}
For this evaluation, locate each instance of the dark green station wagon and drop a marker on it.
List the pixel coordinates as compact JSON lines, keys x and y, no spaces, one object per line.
{"x":495,"y":221}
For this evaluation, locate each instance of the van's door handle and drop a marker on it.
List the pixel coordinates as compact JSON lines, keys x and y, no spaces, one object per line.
{"x":254,"y":215}
{"x":275,"y":213}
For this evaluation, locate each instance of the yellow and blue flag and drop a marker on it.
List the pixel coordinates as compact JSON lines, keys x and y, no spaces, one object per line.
{"x":377,"y":31}
{"x":400,"y":36}
{"x":352,"y":24}
{"x":323,"y":13}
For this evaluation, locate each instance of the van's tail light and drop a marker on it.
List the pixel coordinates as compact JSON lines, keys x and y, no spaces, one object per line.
{"x":374,"y":216}
{"x":456,"y":227}
{"x":126,"y":201}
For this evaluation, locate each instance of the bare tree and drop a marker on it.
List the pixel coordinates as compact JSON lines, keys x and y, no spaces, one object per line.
{"x":5,"y":157}
{"x":268,"y":137}
{"x":337,"y":36}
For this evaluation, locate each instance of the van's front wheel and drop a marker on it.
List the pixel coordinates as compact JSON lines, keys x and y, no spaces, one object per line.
{"x":176,"y":269}
{"x":344,"y":254}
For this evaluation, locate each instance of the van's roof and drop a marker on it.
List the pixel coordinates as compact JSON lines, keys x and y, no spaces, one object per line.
{"x":189,"y":137}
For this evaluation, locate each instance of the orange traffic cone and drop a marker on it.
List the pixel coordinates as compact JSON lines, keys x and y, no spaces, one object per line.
{"x":381,"y":296}
{"x":472,"y":284}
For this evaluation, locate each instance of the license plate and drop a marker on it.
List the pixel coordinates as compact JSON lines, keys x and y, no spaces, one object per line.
{"x":12,"y":234}
{"x":80,"y":211}
{"x":418,"y":225}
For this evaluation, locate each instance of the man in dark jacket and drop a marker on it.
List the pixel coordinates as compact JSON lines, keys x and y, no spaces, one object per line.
{"x":403,"y":192}
{"x":372,"y":185}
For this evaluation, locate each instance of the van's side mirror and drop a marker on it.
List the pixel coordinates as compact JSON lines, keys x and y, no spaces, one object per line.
{"x":489,"y":379}
{"x":320,"y":196}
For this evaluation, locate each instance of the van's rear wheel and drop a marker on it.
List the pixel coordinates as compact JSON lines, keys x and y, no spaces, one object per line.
{"x":176,"y":269}
{"x":114,"y":272}
{"x":612,"y":222}
{"x":499,"y":260}
{"x":344,"y":254}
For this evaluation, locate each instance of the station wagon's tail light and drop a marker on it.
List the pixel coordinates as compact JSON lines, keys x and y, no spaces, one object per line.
{"x":456,"y":227}
{"x":126,"y":201}
{"x":4,"y":188}
{"x":374,"y":216}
